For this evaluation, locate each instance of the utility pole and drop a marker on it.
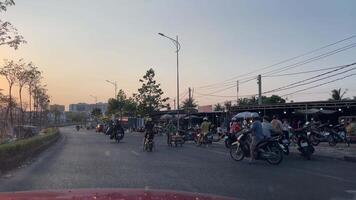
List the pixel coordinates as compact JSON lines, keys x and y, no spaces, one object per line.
{"x":259,"y":82}
{"x":190,"y":107}
{"x":237,"y":92}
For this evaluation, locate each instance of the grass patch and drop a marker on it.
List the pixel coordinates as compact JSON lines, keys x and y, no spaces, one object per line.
{"x":14,"y":154}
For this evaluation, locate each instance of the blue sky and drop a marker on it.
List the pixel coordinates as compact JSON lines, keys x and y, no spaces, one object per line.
{"x":78,"y":44}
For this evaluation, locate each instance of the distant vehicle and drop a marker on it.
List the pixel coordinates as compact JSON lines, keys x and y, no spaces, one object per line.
{"x":99,"y":128}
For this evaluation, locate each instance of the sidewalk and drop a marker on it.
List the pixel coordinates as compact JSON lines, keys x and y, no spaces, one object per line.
{"x":340,"y":152}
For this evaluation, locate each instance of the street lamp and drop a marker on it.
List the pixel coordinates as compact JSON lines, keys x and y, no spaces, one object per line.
{"x":96,"y":100}
{"x":177,"y":45}
{"x":114,"y":83}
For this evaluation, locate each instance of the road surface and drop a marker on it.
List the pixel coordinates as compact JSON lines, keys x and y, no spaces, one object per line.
{"x":86,"y":159}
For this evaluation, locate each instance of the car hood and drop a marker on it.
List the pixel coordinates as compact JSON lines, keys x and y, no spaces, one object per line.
{"x":106,"y":194}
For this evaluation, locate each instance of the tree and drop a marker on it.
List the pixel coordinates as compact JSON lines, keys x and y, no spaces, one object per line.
{"x":8,"y":33}
{"x":9,"y":71}
{"x":189,"y":104}
{"x":218,"y":107}
{"x":131,"y":107}
{"x":266,"y":100}
{"x":273,"y":99}
{"x":117,"y":106}
{"x":96,"y":112}
{"x":23,"y":77}
{"x":149,"y":96}
{"x":228,"y":106}
{"x":337,"y":95}
{"x":34,"y":77}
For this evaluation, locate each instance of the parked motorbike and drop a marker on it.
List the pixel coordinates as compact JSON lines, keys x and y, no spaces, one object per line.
{"x":318,"y":134}
{"x":338,"y":135}
{"x":284,"y":143}
{"x":265,"y":150}
{"x":305,"y":147}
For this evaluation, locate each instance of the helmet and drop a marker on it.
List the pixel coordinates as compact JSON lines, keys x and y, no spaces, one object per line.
{"x":205,"y":119}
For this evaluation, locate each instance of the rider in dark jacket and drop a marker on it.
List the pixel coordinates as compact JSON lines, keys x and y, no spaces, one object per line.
{"x":149,"y":133}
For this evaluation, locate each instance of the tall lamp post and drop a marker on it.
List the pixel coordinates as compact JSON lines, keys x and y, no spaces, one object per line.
{"x":177,"y":45}
{"x":96,"y":100}
{"x":114,"y":83}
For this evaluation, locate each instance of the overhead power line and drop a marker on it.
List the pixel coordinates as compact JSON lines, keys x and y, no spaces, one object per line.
{"x":283,"y":61}
{"x":321,"y":84}
{"x":297,"y":84}
{"x":319,"y":57}
{"x":303,"y":72}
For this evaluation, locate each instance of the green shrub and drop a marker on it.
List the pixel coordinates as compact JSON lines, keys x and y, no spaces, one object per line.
{"x":13,"y":154}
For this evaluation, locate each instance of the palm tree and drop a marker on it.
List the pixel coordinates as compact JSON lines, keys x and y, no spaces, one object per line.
{"x":337,"y":95}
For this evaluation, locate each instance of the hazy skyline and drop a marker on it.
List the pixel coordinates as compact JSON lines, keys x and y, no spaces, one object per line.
{"x":79,"y":44}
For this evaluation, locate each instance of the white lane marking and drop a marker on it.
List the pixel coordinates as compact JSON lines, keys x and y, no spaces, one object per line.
{"x":323,"y":175}
{"x":134,"y":152}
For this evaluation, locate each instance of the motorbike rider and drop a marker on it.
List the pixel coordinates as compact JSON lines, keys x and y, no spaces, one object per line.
{"x":256,"y":136}
{"x":170,"y":130}
{"x":116,"y":127}
{"x":235,"y":126}
{"x":277,"y":125}
{"x":204,"y":128}
{"x":266,"y":127}
{"x":149,"y":133}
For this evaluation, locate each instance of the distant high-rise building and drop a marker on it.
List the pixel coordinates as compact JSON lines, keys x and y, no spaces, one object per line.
{"x":84,"y":107}
{"x":56,"y":107}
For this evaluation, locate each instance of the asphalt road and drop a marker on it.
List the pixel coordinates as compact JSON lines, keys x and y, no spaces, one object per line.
{"x":86,"y":159}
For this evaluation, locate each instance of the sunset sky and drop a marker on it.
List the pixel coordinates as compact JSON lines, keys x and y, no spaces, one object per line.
{"x":79,"y":44}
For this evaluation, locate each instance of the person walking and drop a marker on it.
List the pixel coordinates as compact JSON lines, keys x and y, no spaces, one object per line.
{"x":170,"y":130}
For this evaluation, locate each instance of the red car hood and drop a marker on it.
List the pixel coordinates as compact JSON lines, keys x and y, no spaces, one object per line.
{"x":106,"y":194}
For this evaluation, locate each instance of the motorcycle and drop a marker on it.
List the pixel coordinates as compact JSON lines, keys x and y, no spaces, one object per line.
{"x":148,"y":144}
{"x":318,"y":134}
{"x":116,"y":132}
{"x":338,"y":134}
{"x":265,"y":150}
{"x":284,"y":143}
{"x":190,"y":135}
{"x":229,"y":139}
{"x":207,"y":139}
{"x":305,"y":147}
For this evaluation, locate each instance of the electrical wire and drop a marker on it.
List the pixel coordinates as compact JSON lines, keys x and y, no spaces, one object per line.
{"x":319,"y":57}
{"x":283,"y":61}
{"x":322,"y":84}
{"x":303,"y":72}
{"x":320,"y":75}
